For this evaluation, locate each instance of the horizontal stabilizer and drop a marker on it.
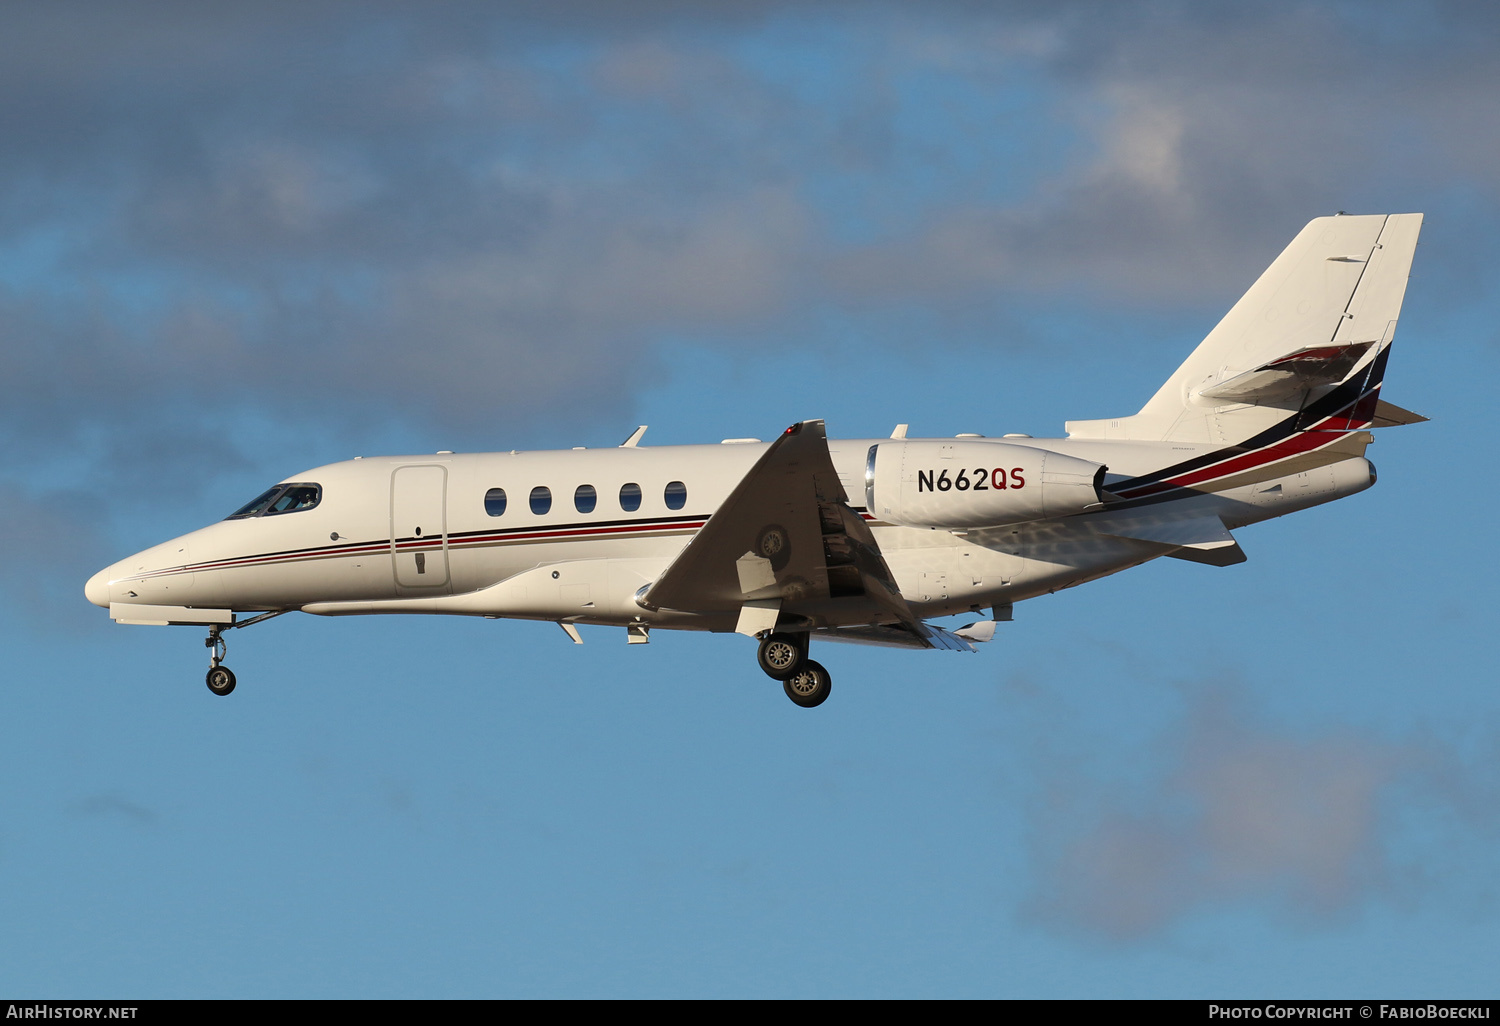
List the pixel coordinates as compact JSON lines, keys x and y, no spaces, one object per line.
{"x":1391,"y":415}
{"x":1201,"y":539}
{"x":1287,"y":377}
{"x":1213,"y":555}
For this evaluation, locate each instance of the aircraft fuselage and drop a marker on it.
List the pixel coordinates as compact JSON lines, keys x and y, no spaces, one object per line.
{"x":415,"y":534}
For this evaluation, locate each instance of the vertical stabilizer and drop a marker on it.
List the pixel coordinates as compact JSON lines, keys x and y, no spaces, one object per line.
{"x":1321,"y":316}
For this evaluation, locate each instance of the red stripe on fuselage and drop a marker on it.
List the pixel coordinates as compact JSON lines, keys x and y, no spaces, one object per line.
{"x":1309,"y":440}
{"x":431,"y":544}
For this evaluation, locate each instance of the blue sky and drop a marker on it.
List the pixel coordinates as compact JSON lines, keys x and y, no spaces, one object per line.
{"x":237,"y":245}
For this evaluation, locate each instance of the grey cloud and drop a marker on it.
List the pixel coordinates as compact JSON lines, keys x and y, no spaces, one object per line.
{"x":1206,"y":135}
{"x":473,"y":215}
{"x":1217,"y":131}
{"x":1303,"y":826}
{"x":51,"y":541}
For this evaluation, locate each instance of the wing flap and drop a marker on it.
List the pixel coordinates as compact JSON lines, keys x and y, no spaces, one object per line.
{"x":897,"y":636}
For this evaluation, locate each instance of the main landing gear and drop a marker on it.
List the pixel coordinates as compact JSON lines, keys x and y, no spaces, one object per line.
{"x":220,"y":678}
{"x":809,"y":686}
{"x":783,"y":657}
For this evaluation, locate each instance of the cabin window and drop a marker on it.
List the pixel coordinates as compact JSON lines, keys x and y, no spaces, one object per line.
{"x":283,"y":498}
{"x":541,"y":499}
{"x":494,"y":501}
{"x":675,"y":494}
{"x":585,"y":499}
{"x":630,"y":497}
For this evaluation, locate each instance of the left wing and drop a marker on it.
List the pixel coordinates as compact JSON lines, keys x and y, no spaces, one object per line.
{"x":786,"y":548}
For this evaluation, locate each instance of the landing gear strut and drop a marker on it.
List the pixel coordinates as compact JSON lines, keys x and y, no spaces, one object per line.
{"x":220,"y":679}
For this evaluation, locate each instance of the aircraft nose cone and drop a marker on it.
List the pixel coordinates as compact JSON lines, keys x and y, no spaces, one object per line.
{"x":97,"y":588}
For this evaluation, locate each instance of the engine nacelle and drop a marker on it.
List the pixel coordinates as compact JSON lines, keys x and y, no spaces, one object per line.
{"x":962,"y":484}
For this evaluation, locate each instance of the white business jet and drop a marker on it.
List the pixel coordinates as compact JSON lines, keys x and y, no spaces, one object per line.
{"x":810,"y":537}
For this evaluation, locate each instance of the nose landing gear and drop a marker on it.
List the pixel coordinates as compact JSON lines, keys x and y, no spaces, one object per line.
{"x":220,"y":679}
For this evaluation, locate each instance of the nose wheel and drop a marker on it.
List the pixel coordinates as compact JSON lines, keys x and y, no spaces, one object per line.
{"x":220,"y":679}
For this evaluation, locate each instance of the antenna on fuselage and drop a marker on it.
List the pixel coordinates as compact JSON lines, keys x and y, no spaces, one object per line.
{"x":900,"y":431}
{"x":635,"y":438}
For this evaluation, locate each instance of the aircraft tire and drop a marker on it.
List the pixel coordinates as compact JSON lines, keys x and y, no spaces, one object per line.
{"x":773,"y":543}
{"x":810,"y":686}
{"x":781,"y":655}
{"x":220,"y":680}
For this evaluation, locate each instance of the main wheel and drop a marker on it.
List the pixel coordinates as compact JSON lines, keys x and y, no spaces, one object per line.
{"x":773,"y":544}
{"x":809,"y":686}
{"x":220,"y":680}
{"x":781,"y":655}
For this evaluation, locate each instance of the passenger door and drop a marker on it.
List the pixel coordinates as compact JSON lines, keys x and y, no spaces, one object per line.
{"x":419,"y":535}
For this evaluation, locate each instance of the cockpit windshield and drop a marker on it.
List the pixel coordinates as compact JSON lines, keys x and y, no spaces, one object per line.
{"x":283,"y":498}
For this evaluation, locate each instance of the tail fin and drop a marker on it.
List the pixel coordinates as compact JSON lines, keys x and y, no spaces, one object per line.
{"x":1305,"y":348}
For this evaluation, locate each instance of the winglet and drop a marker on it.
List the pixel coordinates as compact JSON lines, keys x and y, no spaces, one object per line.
{"x":635,"y":438}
